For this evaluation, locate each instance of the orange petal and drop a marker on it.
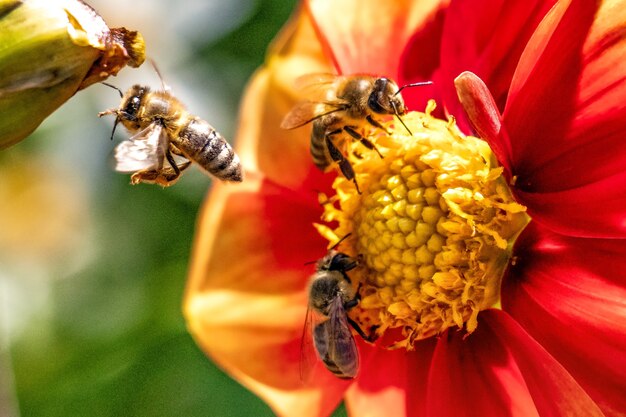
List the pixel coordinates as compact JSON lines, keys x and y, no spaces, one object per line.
{"x":245,"y":301}
{"x":368,"y":36}
{"x":256,"y":339}
{"x":282,"y":155}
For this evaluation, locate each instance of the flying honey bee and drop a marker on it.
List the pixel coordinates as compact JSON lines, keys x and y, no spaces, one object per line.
{"x":344,"y":104}
{"x":163,"y":130}
{"x":331,"y":296}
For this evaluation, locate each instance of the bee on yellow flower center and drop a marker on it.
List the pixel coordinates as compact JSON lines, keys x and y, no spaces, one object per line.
{"x":433,"y":227}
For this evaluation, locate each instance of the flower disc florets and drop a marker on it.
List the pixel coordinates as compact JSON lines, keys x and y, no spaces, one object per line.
{"x":433,"y":228}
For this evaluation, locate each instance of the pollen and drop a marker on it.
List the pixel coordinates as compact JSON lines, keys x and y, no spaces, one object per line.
{"x":433,"y":228}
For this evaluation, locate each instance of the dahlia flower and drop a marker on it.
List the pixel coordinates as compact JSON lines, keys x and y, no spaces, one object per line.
{"x":489,"y":236}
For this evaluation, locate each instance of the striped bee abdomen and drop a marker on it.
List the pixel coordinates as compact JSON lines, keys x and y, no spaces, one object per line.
{"x":202,"y":144}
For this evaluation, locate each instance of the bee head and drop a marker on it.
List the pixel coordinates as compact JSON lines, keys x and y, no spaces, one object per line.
{"x":131,"y":102}
{"x":384,"y":98}
{"x":337,"y":261}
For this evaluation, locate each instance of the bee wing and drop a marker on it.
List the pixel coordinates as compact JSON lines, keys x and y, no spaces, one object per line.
{"x":145,"y":150}
{"x":341,"y":344}
{"x":318,"y":88}
{"x":308,"y":357}
{"x":316,"y":82}
{"x":306,"y":111}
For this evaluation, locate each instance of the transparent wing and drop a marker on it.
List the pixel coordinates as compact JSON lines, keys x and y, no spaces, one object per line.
{"x":308,"y":357}
{"x":305,"y":112}
{"x":341,"y":345}
{"x":318,"y":89}
{"x":316,"y":82}
{"x":144,"y":150}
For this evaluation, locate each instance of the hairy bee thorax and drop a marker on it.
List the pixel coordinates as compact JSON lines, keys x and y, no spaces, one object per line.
{"x":433,"y":228}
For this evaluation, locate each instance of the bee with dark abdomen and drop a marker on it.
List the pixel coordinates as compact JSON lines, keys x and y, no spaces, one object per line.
{"x":331,"y":296}
{"x":344,"y":104}
{"x":167,"y":138}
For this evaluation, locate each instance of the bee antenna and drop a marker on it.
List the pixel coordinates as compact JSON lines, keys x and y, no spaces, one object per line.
{"x":156,"y":69}
{"x":395,"y":111}
{"x":340,"y":240}
{"x":412,"y":85}
{"x":117,"y":120}
{"x":115,"y":88}
{"x":333,"y":247}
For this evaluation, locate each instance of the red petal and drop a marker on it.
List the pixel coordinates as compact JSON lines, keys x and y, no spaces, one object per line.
{"x":566,"y":112}
{"x":368,"y":36}
{"x":476,"y":376}
{"x":486,"y":37}
{"x":420,"y":62}
{"x":570,"y":295}
{"x":391,"y":382}
{"x":499,"y":370}
{"x":553,"y":390}
{"x":595,"y":210}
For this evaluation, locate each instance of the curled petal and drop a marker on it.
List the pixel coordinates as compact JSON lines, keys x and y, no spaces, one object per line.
{"x":572,"y":299}
{"x":566,"y":108}
{"x":368,"y":36}
{"x":483,"y":114}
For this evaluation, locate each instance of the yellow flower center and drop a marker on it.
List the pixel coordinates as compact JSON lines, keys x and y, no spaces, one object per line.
{"x":433,"y":228}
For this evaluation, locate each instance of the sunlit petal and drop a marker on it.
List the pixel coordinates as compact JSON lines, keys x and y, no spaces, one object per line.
{"x":566,"y":106}
{"x":368,"y":36}
{"x":483,"y":114}
{"x":487,"y":38}
{"x":263,"y":354}
{"x":247,"y":232}
{"x":282,"y":155}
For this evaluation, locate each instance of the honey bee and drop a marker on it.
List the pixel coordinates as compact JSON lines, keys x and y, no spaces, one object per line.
{"x":344,"y":104}
{"x":163,"y":130}
{"x":331,"y":296}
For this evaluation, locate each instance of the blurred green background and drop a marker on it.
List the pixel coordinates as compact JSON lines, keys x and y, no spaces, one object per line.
{"x":92,"y":269}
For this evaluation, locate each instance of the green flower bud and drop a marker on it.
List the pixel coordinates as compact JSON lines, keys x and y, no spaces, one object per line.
{"x":50,"y":49}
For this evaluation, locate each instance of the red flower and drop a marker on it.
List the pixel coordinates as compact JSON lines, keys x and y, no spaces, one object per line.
{"x":552,"y":111}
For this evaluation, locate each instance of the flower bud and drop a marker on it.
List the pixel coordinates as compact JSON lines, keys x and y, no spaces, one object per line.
{"x":49,"y":49}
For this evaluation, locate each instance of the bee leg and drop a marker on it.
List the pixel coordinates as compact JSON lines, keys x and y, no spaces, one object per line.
{"x":170,"y":159}
{"x":376,"y":124}
{"x":344,"y":164}
{"x":360,"y":331}
{"x":366,"y":142}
